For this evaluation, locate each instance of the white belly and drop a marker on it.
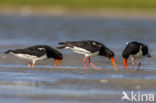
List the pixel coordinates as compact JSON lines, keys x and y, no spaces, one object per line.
{"x":30,"y":57}
{"x":84,"y":52}
{"x":92,"y":54}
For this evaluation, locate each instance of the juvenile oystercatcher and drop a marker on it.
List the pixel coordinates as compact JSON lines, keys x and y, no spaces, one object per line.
{"x":38,"y":52}
{"x":89,"y":48}
{"x":136,"y":51}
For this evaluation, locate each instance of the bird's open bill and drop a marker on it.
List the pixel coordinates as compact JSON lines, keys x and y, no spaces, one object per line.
{"x":125,"y":63}
{"x":113,"y":62}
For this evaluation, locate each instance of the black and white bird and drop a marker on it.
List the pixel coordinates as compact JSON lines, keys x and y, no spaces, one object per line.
{"x":89,"y":48}
{"x":38,"y":52}
{"x":135,"y":50}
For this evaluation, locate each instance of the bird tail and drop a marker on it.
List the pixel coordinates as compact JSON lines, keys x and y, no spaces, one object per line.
{"x":148,"y":55}
{"x":8,"y":51}
{"x":62,"y":43}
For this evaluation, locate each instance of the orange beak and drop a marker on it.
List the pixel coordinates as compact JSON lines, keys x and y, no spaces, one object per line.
{"x":125,"y":63}
{"x":113,"y":62}
{"x":55,"y":63}
{"x":60,"y":63}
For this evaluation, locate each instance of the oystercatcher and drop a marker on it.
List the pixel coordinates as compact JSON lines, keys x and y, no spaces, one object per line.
{"x":89,"y":48}
{"x":38,"y":52}
{"x":136,"y":51}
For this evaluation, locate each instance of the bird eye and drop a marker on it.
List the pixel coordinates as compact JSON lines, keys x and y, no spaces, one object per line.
{"x":111,"y":53}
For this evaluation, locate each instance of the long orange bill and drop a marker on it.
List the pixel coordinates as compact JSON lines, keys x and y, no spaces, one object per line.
{"x":55,"y":63}
{"x":125,"y":63}
{"x":60,"y":63}
{"x":113,"y":62}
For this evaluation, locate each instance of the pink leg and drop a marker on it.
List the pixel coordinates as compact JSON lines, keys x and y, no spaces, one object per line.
{"x":85,"y":62}
{"x":33,"y":65}
{"x":29,"y":65}
{"x":89,"y":61}
{"x":139,"y":66}
{"x":132,"y":65}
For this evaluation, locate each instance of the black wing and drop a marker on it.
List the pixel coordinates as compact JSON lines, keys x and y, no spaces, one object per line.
{"x":89,"y":45}
{"x":34,"y":50}
{"x":131,"y":49}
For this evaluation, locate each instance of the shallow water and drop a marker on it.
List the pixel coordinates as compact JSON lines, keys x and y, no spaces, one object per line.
{"x":51,"y":30}
{"x":72,"y":83}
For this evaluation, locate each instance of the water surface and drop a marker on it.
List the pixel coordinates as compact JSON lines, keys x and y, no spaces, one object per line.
{"x":72,"y":83}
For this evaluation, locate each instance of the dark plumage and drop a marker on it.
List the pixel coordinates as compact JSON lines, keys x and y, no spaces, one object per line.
{"x":137,"y":51}
{"x":35,"y":53}
{"x":89,"y":48}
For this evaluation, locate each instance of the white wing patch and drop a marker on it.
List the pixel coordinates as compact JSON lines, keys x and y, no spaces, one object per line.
{"x":99,"y":45}
{"x":41,"y":48}
{"x":94,"y":43}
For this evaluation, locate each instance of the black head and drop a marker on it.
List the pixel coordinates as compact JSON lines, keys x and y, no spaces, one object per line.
{"x":106,"y":52}
{"x":125,"y":54}
{"x":53,"y":53}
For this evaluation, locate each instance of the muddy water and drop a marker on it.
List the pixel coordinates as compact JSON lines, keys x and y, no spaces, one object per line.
{"x":72,"y":83}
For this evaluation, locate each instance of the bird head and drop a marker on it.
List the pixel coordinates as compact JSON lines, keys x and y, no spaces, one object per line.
{"x":60,"y":57}
{"x":109,"y":54}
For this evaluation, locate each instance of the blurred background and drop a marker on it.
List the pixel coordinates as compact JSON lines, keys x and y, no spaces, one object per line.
{"x":49,"y":21}
{"x":113,"y":22}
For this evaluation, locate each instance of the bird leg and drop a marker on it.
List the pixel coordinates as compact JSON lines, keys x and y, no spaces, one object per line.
{"x":139,"y":66}
{"x":33,"y":65}
{"x":29,"y":65}
{"x":60,"y":63}
{"x":132,"y":64}
{"x":89,"y":61}
{"x":85,"y":62}
{"x":55,"y":63}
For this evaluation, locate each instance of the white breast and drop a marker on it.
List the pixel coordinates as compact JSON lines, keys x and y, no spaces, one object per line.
{"x":30,"y":57}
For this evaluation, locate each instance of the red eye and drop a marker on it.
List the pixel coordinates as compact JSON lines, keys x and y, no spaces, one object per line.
{"x":110,"y":53}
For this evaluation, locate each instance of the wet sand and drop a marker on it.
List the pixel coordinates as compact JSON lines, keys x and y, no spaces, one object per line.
{"x":69,"y":89}
{"x":69,"y":84}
